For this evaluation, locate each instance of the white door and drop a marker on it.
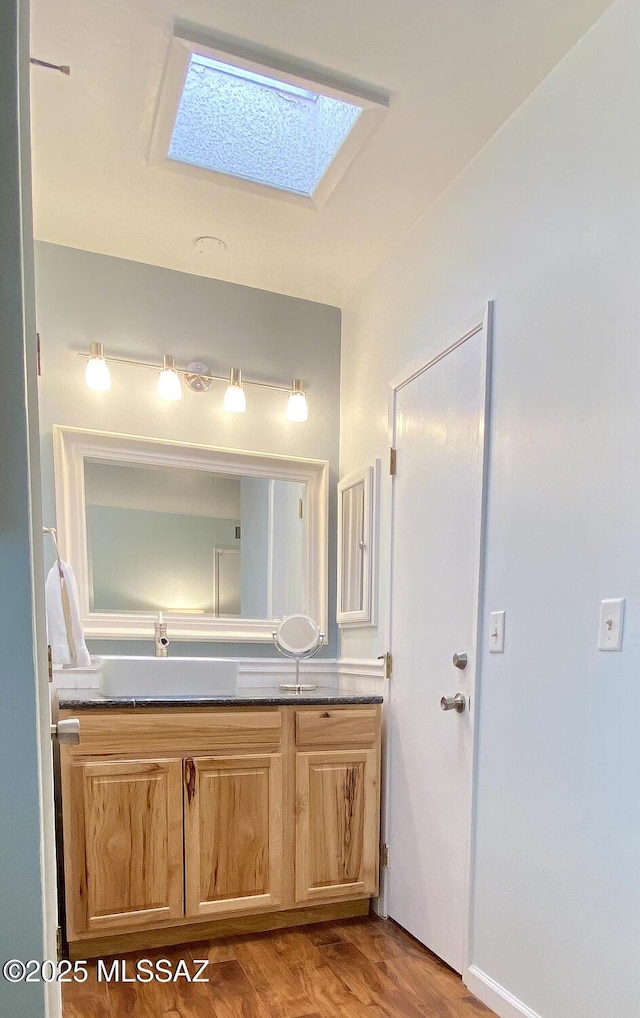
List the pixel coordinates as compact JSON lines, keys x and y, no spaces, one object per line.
{"x":439,"y":419}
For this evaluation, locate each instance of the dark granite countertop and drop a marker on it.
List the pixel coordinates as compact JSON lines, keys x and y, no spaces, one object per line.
{"x":265,"y":696}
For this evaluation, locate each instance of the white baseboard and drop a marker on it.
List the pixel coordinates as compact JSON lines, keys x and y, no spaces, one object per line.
{"x":495,"y":996}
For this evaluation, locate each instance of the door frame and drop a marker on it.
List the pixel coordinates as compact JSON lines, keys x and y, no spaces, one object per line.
{"x":445,"y":343}
{"x":28,"y":685}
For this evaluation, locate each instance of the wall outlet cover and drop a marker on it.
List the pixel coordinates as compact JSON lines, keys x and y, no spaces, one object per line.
{"x":611,"y":620}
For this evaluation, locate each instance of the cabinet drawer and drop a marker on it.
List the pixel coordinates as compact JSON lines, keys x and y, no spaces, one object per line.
{"x":173,"y":731}
{"x":358,"y":727}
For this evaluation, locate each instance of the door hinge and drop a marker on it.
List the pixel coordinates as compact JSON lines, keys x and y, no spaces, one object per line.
{"x":393,"y":456}
{"x":388,"y":663}
{"x":384,"y":855}
{"x":49,"y":662}
{"x":300,"y":509}
{"x":59,"y":951}
{"x":38,"y":354}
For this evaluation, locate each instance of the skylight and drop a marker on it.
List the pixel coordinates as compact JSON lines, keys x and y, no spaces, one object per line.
{"x":257,"y":128}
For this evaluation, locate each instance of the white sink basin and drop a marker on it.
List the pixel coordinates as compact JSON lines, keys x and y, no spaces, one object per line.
{"x":169,"y":676}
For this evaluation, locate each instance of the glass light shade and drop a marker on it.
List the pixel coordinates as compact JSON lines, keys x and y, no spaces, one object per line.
{"x":235,"y":400}
{"x":297,"y":409}
{"x":97,"y":375}
{"x":169,"y":385}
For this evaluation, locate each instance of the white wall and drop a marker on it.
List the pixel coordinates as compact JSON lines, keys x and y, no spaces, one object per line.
{"x":143,"y":311}
{"x":546,"y":221}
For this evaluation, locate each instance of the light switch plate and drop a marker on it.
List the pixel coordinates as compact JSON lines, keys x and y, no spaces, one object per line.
{"x":496,"y":632}
{"x":611,"y":620}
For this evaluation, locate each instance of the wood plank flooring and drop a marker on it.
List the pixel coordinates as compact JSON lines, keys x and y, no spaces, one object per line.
{"x":354,"y":968}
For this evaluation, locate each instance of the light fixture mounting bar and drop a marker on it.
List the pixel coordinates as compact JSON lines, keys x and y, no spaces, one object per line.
{"x":184,"y":371}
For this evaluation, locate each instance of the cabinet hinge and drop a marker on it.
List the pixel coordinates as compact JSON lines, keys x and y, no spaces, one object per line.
{"x":392,"y":461}
{"x":388,"y":663}
{"x":384,"y":855}
{"x":59,"y":942}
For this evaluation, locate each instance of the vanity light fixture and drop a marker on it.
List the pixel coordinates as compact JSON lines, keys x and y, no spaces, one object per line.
{"x":169,"y":384}
{"x":297,"y":409}
{"x":198,"y":378}
{"x":235,"y":400}
{"x":97,"y":375}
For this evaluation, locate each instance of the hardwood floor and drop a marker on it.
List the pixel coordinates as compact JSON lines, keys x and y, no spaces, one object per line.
{"x":355,"y":968}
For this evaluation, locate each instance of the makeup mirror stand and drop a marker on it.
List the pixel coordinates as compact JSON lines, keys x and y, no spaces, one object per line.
{"x":298,"y":637}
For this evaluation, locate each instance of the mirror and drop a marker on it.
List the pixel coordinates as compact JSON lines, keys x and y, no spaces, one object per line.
{"x":298,"y":636}
{"x":162,"y":538}
{"x":356,"y":547}
{"x":222,"y":542}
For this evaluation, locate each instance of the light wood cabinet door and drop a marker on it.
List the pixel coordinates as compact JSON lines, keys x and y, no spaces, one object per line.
{"x":233,"y":834}
{"x":337,"y":824}
{"x":123,"y":853}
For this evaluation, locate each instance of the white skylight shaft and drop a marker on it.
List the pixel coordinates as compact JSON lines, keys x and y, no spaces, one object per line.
{"x":257,"y":128}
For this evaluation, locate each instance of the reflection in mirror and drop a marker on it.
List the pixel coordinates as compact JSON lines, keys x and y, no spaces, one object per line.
{"x":196,"y":542}
{"x":352,"y":550}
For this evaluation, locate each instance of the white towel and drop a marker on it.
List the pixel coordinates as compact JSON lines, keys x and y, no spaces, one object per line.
{"x":64,"y":629}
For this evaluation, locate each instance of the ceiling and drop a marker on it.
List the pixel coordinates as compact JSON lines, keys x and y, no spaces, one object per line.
{"x":455,"y":70}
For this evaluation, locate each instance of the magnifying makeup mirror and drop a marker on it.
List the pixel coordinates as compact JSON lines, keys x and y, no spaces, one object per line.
{"x":299,"y":637}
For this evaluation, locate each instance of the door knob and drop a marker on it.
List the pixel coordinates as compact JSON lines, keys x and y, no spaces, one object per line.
{"x":457,"y":702}
{"x":460,"y":660}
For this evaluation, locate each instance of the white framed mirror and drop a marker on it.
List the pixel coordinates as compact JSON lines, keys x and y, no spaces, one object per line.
{"x":356,"y":548}
{"x":223,"y":542}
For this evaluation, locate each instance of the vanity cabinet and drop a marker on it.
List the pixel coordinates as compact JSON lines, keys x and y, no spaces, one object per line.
{"x":179,"y":822}
{"x":232,"y":834}
{"x":125,"y":859}
{"x":337,"y":805}
{"x":337,"y":824}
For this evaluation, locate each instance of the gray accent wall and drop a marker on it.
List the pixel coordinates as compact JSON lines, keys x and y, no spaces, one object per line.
{"x":143,"y":311}
{"x":26,"y":797}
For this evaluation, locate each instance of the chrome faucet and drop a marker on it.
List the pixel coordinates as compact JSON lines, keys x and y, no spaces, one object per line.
{"x":161,"y":638}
